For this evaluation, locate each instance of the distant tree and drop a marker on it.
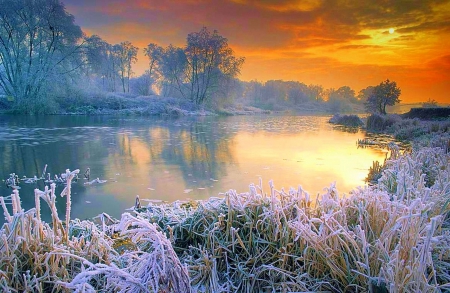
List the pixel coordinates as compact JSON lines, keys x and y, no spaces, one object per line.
{"x":154,"y":54}
{"x":253,"y":92}
{"x":141,"y":85}
{"x":297,"y":95}
{"x":201,"y":70}
{"x":341,"y":99}
{"x":38,"y":40}
{"x":172,"y":68}
{"x":209,"y":59}
{"x":101,"y":61}
{"x":346,"y":93}
{"x":430,"y":104}
{"x":315,"y":92}
{"x":364,"y":94}
{"x":126,"y":55}
{"x":385,"y":94}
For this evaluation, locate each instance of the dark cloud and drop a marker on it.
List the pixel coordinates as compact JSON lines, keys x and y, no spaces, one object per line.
{"x":443,"y":25}
{"x":264,"y":23}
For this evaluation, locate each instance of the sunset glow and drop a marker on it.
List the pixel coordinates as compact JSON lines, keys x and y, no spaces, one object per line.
{"x":332,"y":43}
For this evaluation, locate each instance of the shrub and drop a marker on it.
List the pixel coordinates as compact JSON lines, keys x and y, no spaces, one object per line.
{"x":377,"y":122}
{"x":346,"y":120}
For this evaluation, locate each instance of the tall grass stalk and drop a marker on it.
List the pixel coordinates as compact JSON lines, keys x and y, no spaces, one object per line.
{"x":392,"y":236}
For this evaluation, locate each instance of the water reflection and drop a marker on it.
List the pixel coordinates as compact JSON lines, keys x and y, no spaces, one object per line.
{"x":176,"y":159}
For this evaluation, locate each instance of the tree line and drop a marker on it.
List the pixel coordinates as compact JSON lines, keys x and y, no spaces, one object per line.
{"x":44,"y":53}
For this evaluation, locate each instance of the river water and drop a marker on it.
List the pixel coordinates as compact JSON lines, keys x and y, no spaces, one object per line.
{"x":172,"y":159}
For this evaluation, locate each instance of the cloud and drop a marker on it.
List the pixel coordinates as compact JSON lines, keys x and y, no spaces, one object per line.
{"x":359,"y":47}
{"x":427,"y":26}
{"x":403,"y":38}
{"x":283,"y":5}
{"x":323,"y":41}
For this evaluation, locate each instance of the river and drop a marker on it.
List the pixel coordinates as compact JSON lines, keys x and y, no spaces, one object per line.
{"x":171,"y":159}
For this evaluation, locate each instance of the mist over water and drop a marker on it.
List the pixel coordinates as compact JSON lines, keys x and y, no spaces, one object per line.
{"x":172,"y":159}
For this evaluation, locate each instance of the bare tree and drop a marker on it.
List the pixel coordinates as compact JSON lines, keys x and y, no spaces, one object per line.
{"x":209,"y":59}
{"x":38,"y":39}
{"x":154,"y":54}
{"x":126,"y":55}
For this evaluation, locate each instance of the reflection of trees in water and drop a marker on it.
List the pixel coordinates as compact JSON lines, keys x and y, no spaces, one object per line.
{"x":109,"y":145}
{"x":200,"y":149}
{"x":202,"y":152}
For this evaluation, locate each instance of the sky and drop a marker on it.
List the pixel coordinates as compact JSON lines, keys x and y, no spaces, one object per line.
{"x":328,"y":42}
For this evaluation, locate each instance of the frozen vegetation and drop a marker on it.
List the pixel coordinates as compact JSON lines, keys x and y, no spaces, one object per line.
{"x":346,"y":120}
{"x":392,"y":236}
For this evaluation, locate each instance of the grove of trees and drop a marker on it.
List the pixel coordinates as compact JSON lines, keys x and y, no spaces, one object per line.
{"x":198,"y":70}
{"x":44,"y":56}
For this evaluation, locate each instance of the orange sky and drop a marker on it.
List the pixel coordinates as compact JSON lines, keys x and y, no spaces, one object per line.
{"x":332,"y":43}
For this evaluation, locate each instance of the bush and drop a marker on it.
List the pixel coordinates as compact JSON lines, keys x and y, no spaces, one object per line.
{"x":377,"y":122}
{"x":346,"y":120}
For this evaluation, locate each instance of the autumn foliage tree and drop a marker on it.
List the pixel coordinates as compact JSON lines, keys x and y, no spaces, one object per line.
{"x":385,"y":94}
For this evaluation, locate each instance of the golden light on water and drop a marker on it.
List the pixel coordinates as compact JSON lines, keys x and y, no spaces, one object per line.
{"x":310,"y":160}
{"x":148,"y":166}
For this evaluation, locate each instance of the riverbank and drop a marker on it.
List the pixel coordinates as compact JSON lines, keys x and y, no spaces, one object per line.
{"x":115,"y":103}
{"x":129,"y":105}
{"x":391,"y":236}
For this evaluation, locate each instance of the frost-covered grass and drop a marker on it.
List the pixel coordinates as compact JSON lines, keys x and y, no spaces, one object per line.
{"x":346,"y":120}
{"x":406,"y":129}
{"x":392,"y":236}
{"x":120,"y":103}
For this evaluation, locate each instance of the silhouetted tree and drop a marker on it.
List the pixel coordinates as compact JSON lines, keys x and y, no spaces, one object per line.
{"x":203,"y":69}
{"x":364,"y":94}
{"x":341,"y":99}
{"x":385,"y":94}
{"x":141,"y":85}
{"x":430,"y":104}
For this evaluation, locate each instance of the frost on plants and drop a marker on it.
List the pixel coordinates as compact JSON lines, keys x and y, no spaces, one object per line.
{"x":393,"y":236}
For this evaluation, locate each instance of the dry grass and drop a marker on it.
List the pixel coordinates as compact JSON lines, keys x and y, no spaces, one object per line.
{"x":393,"y":236}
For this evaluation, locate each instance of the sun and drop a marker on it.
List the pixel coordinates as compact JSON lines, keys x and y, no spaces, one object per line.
{"x":391,"y":30}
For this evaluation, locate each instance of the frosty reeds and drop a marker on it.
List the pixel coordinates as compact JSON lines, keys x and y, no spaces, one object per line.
{"x":392,"y":236}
